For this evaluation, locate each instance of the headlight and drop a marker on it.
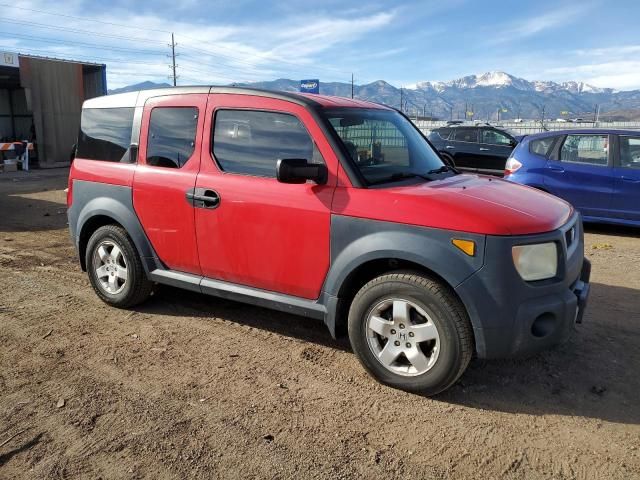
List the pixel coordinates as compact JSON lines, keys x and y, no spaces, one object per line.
{"x":536,"y":262}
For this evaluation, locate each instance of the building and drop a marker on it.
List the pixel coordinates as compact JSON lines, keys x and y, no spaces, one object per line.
{"x":41,"y":100}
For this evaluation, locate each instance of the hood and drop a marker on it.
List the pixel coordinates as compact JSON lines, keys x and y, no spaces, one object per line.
{"x":468,"y":203}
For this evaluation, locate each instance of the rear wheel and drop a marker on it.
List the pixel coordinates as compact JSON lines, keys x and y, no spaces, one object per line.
{"x":115,"y":269}
{"x":410,"y":332}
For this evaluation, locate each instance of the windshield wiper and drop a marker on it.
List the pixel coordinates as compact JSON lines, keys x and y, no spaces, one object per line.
{"x":442,"y":169}
{"x":400,"y":176}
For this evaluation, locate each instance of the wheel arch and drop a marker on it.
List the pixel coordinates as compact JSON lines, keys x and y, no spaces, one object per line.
{"x":108,"y":204}
{"x":363,"y":249}
{"x":372,"y":268}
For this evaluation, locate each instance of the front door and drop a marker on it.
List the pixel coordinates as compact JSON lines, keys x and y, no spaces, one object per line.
{"x":262,"y":233}
{"x":463,"y":147}
{"x":582,"y":173}
{"x":168,"y":163}
{"x":494,"y":149}
{"x":625,"y":201}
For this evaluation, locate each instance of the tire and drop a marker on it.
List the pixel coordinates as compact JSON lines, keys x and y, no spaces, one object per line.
{"x":436,"y":319}
{"x":111,"y":252}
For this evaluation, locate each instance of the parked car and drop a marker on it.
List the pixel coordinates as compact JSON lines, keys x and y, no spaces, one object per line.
{"x":598,"y":171}
{"x":330,"y":208}
{"x":482,"y":149}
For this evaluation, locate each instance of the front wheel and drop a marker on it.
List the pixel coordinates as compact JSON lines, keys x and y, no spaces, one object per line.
{"x":410,"y":332}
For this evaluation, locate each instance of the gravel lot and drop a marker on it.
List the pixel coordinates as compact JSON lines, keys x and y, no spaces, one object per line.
{"x":188,"y":386}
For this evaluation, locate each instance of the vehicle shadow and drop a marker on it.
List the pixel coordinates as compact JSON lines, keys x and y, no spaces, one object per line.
{"x":593,"y":375}
{"x":606,"y":229}
{"x":26,"y":205}
{"x":174,"y":301}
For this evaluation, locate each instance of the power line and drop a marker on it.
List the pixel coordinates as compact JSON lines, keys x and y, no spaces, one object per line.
{"x":88,"y":19}
{"x":75,"y":30}
{"x":45,"y":53}
{"x":91,"y":45}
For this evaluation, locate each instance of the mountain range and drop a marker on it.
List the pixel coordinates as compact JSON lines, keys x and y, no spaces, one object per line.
{"x":482,"y":96}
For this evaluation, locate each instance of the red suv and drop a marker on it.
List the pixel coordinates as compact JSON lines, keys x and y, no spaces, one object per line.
{"x":329,"y":208}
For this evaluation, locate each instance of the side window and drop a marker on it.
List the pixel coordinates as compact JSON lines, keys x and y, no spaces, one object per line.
{"x":251,"y":142}
{"x":587,"y":149}
{"x":172,"y":135}
{"x":630,"y":152}
{"x":444,"y":133}
{"x":541,"y":146}
{"x":495,"y":137}
{"x":105,"y":134}
{"x":466,"y":135}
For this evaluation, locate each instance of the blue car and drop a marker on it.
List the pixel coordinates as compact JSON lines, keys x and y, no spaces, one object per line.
{"x":596,"y":170}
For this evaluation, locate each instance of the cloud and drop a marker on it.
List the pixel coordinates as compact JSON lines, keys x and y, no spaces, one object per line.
{"x":617,"y":74}
{"x":209,"y":51}
{"x":534,"y":25}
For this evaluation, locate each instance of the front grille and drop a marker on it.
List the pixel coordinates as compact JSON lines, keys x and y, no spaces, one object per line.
{"x":570,"y":236}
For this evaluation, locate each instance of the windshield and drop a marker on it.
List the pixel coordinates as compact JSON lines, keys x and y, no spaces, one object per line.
{"x":384,"y":145}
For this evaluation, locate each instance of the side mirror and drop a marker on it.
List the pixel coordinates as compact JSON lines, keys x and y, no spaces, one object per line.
{"x":513,"y":143}
{"x":133,"y":153}
{"x":299,"y":170}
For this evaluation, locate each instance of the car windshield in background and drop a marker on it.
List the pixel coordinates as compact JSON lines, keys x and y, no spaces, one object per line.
{"x":385,"y":146}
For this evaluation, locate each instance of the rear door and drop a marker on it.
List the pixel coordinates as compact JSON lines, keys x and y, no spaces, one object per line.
{"x":580,"y":172}
{"x":168,"y":163}
{"x":494,"y":149}
{"x":263,"y":233}
{"x":625,"y":201}
{"x":464,"y":148}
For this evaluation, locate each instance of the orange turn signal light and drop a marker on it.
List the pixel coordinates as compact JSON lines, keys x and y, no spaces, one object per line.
{"x":467,"y":246}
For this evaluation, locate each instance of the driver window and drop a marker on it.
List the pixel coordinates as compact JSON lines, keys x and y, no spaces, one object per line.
{"x":493,"y":137}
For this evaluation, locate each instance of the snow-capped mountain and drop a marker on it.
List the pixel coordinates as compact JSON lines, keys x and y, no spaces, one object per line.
{"x":498,"y":80}
{"x":483,"y":95}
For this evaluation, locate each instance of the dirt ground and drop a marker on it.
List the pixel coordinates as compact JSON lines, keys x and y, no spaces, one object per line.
{"x":189,"y":386}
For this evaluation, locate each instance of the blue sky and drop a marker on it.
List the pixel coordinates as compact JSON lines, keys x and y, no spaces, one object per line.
{"x":403,"y":43}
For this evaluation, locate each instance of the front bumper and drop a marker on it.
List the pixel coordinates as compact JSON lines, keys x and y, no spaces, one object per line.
{"x":512,"y":317}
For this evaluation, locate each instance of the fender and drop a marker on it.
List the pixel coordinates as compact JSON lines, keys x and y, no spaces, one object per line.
{"x":92,"y":199}
{"x":356,"y":241}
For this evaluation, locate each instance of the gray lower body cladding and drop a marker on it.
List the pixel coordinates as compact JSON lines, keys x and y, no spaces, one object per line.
{"x":501,"y":306}
{"x":515,"y":317}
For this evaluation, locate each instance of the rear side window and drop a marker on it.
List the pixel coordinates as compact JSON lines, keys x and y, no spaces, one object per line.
{"x":541,"y":146}
{"x":105,"y":134}
{"x":251,"y":142}
{"x":466,"y":135}
{"x":587,"y":149}
{"x":172,"y":135}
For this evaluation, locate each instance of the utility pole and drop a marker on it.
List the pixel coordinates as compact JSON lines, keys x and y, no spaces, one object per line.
{"x":401,"y":100}
{"x":352,"y":85}
{"x":173,"y":59}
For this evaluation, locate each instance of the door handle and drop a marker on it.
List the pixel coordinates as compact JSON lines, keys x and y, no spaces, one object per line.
{"x":482,"y":149}
{"x":629,"y":179}
{"x":556,"y":169}
{"x":203,"y":198}
{"x":449,"y":146}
